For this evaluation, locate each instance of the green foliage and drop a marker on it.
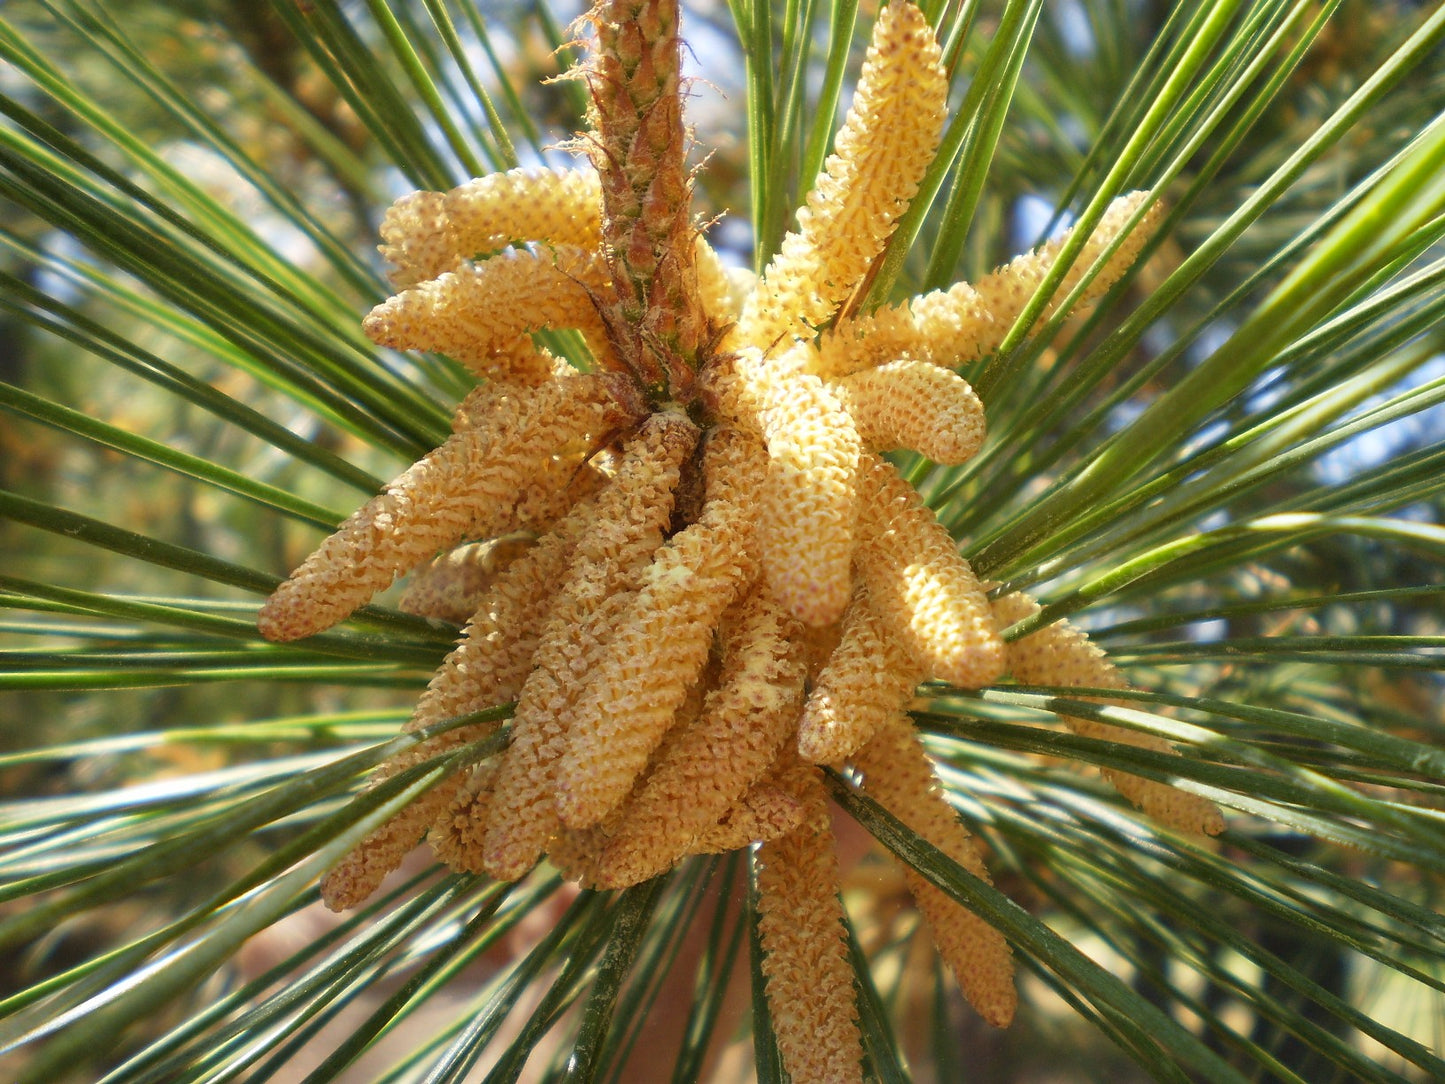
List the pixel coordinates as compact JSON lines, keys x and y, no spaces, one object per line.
{"x":1231,"y":472}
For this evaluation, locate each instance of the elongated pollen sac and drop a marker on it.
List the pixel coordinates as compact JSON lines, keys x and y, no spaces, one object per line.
{"x":690,"y":567}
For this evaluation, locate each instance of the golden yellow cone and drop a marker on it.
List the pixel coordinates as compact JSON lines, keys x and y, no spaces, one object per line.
{"x":450,"y":587}
{"x":632,"y":514}
{"x":880,"y":155}
{"x":719,"y":756}
{"x":808,"y":513}
{"x":866,"y":681}
{"x":925,"y":593}
{"x":807,"y":973}
{"x":476,"y":312}
{"x":764,"y":813}
{"x":486,"y":668}
{"x":459,"y":830}
{"x":966,"y":322}
{"x":660,"y":645}
{"x":470,"y":485}
{"x":1060,"y":654}
{"x":917,"y":405}
{"x":427,"y":233}
{"x":897,"y":772}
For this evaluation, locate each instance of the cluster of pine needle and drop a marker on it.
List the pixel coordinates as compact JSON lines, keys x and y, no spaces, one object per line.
{"x":690,"y":565}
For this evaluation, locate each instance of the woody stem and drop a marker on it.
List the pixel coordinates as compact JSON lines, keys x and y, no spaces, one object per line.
{"x":639,"y":150}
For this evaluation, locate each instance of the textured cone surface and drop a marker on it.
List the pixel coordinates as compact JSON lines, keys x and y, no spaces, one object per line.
{"x":866,"y":681}
{"x":1061,"y":654}
{"x":898,"y":773}
{"x":468,"y":486}
{"x":632,"y":514}
{"x":925,"y":593}
{"x":809,"y":979}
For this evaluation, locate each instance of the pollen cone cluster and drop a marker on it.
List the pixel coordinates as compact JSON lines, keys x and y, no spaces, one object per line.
{"x":689,"y":566}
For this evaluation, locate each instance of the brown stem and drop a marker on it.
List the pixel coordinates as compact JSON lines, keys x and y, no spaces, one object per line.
{"x":639,"y":149}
